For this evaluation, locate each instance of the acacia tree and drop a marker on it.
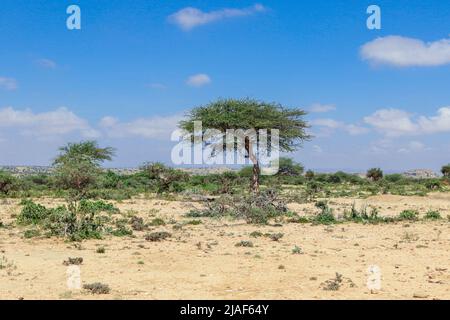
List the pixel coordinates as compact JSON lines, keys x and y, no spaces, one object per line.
{"x":78,"y":166}
{"x":249,"y":114}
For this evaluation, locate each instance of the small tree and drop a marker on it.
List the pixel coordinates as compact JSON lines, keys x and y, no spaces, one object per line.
{"x":165,"y":178}
{"x":78,"y":166}
{"x":248,"y":114}
{"x":287,"y":167}
{"x":374,"y":174}
{"x":309,"y":174}
{"x":6,"y":182}
{"x":446,"y":170}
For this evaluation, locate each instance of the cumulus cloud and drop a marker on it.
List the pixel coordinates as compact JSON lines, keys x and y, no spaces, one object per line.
{"x":189,"y":18}
{"x":198,"y":80}
{"x":321,"y":108}
{"x":9,"y":84}
{"x":46,"y":63}
{"x":148,"y":128}
{"x":53,"y":123}
{"x":406,"y":52}
{"x":394,"y":122}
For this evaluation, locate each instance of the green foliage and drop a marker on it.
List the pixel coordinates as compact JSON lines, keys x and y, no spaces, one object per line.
{"x":433,"y":215}
{"x":395,"y":178}
{"x":375,"y":174}
{"x":309,"y":174}
{"x":7,"y":182}
{"x":325,"y":216}
{"x":76,"y":222}
{"x":78,"y":166}
{"x":287,"y":167}
{"x":362,"y":216}
{"x":94,"y":207}
{"x":410,"y":215}
{"x":446,"y":170}
{"x":248,"y":114}
{"x":164,"y":179}
{"x":32,"y":213}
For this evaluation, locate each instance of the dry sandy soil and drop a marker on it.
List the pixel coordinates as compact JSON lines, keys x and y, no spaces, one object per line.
{"x":202,"y":261}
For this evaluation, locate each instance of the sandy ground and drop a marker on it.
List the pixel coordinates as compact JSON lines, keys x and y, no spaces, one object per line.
{"x":202,"y":261}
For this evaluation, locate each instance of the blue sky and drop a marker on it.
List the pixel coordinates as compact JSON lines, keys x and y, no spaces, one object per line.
{"x":135,"y":67}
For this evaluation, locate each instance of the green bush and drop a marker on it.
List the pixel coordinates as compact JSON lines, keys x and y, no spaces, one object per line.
{"x":32,"y":213}
{"x":325,"y":216}
{"x":433,"y":215}
{"x":411,"y":215}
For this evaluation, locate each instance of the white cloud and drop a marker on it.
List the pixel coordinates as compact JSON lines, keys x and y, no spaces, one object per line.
{"x":53,"y":123}
{"x":189,"y":18}
{"x":8,"y":83}
{"x":149,"y":128}
{"x":46,"y":63}
{"x":198,"y":80}
{"x":321,"y":108}
{"x":157,"y":86}
{"x":436,"y":124}
{"x":412,"y":147}
{"x":394,"y":122}
{"x":330,"y":125}
{"x":406,"y":52}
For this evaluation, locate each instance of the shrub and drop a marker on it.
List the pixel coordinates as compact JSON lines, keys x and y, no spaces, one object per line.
{"x":396,"y":177}
{"x":137,"y":224}
{"x":309,"y":174}
{"x":297,"y":250}
{"x":325,"y":216}
{"x":287,"y":167}
{"x":411,"y":215}
{"x":157,"y":236}
{"x":433,"y":184}
{"x":244,"y":243}
{"x":433,"y":215}
{"x":32,"y":233}
{"x":333,"y":284}
{"x":93,"y":207}
{"x":256,"y":234}
{"x":163,"y":178}
{"x":97,"y":288}
{"x":32,"y":213}
{"x":446,"y":170}
{"x":73,"y":261}
{"x":6,"y":182}
{"x":363,"y":216}
{"x":374,"y":174}
{"x":275,"y":236}
{"x":100,"y":250}
{"x":157,"y":222}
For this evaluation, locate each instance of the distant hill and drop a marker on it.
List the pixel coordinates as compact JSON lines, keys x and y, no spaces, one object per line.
{"x":33,"y":170}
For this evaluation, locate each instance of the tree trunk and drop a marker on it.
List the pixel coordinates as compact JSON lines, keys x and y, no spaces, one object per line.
{"x":255,"y":178}
{"x":256,"y":170}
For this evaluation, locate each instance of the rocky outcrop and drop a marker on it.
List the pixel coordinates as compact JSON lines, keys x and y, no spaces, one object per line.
{"x":420,"y":174}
